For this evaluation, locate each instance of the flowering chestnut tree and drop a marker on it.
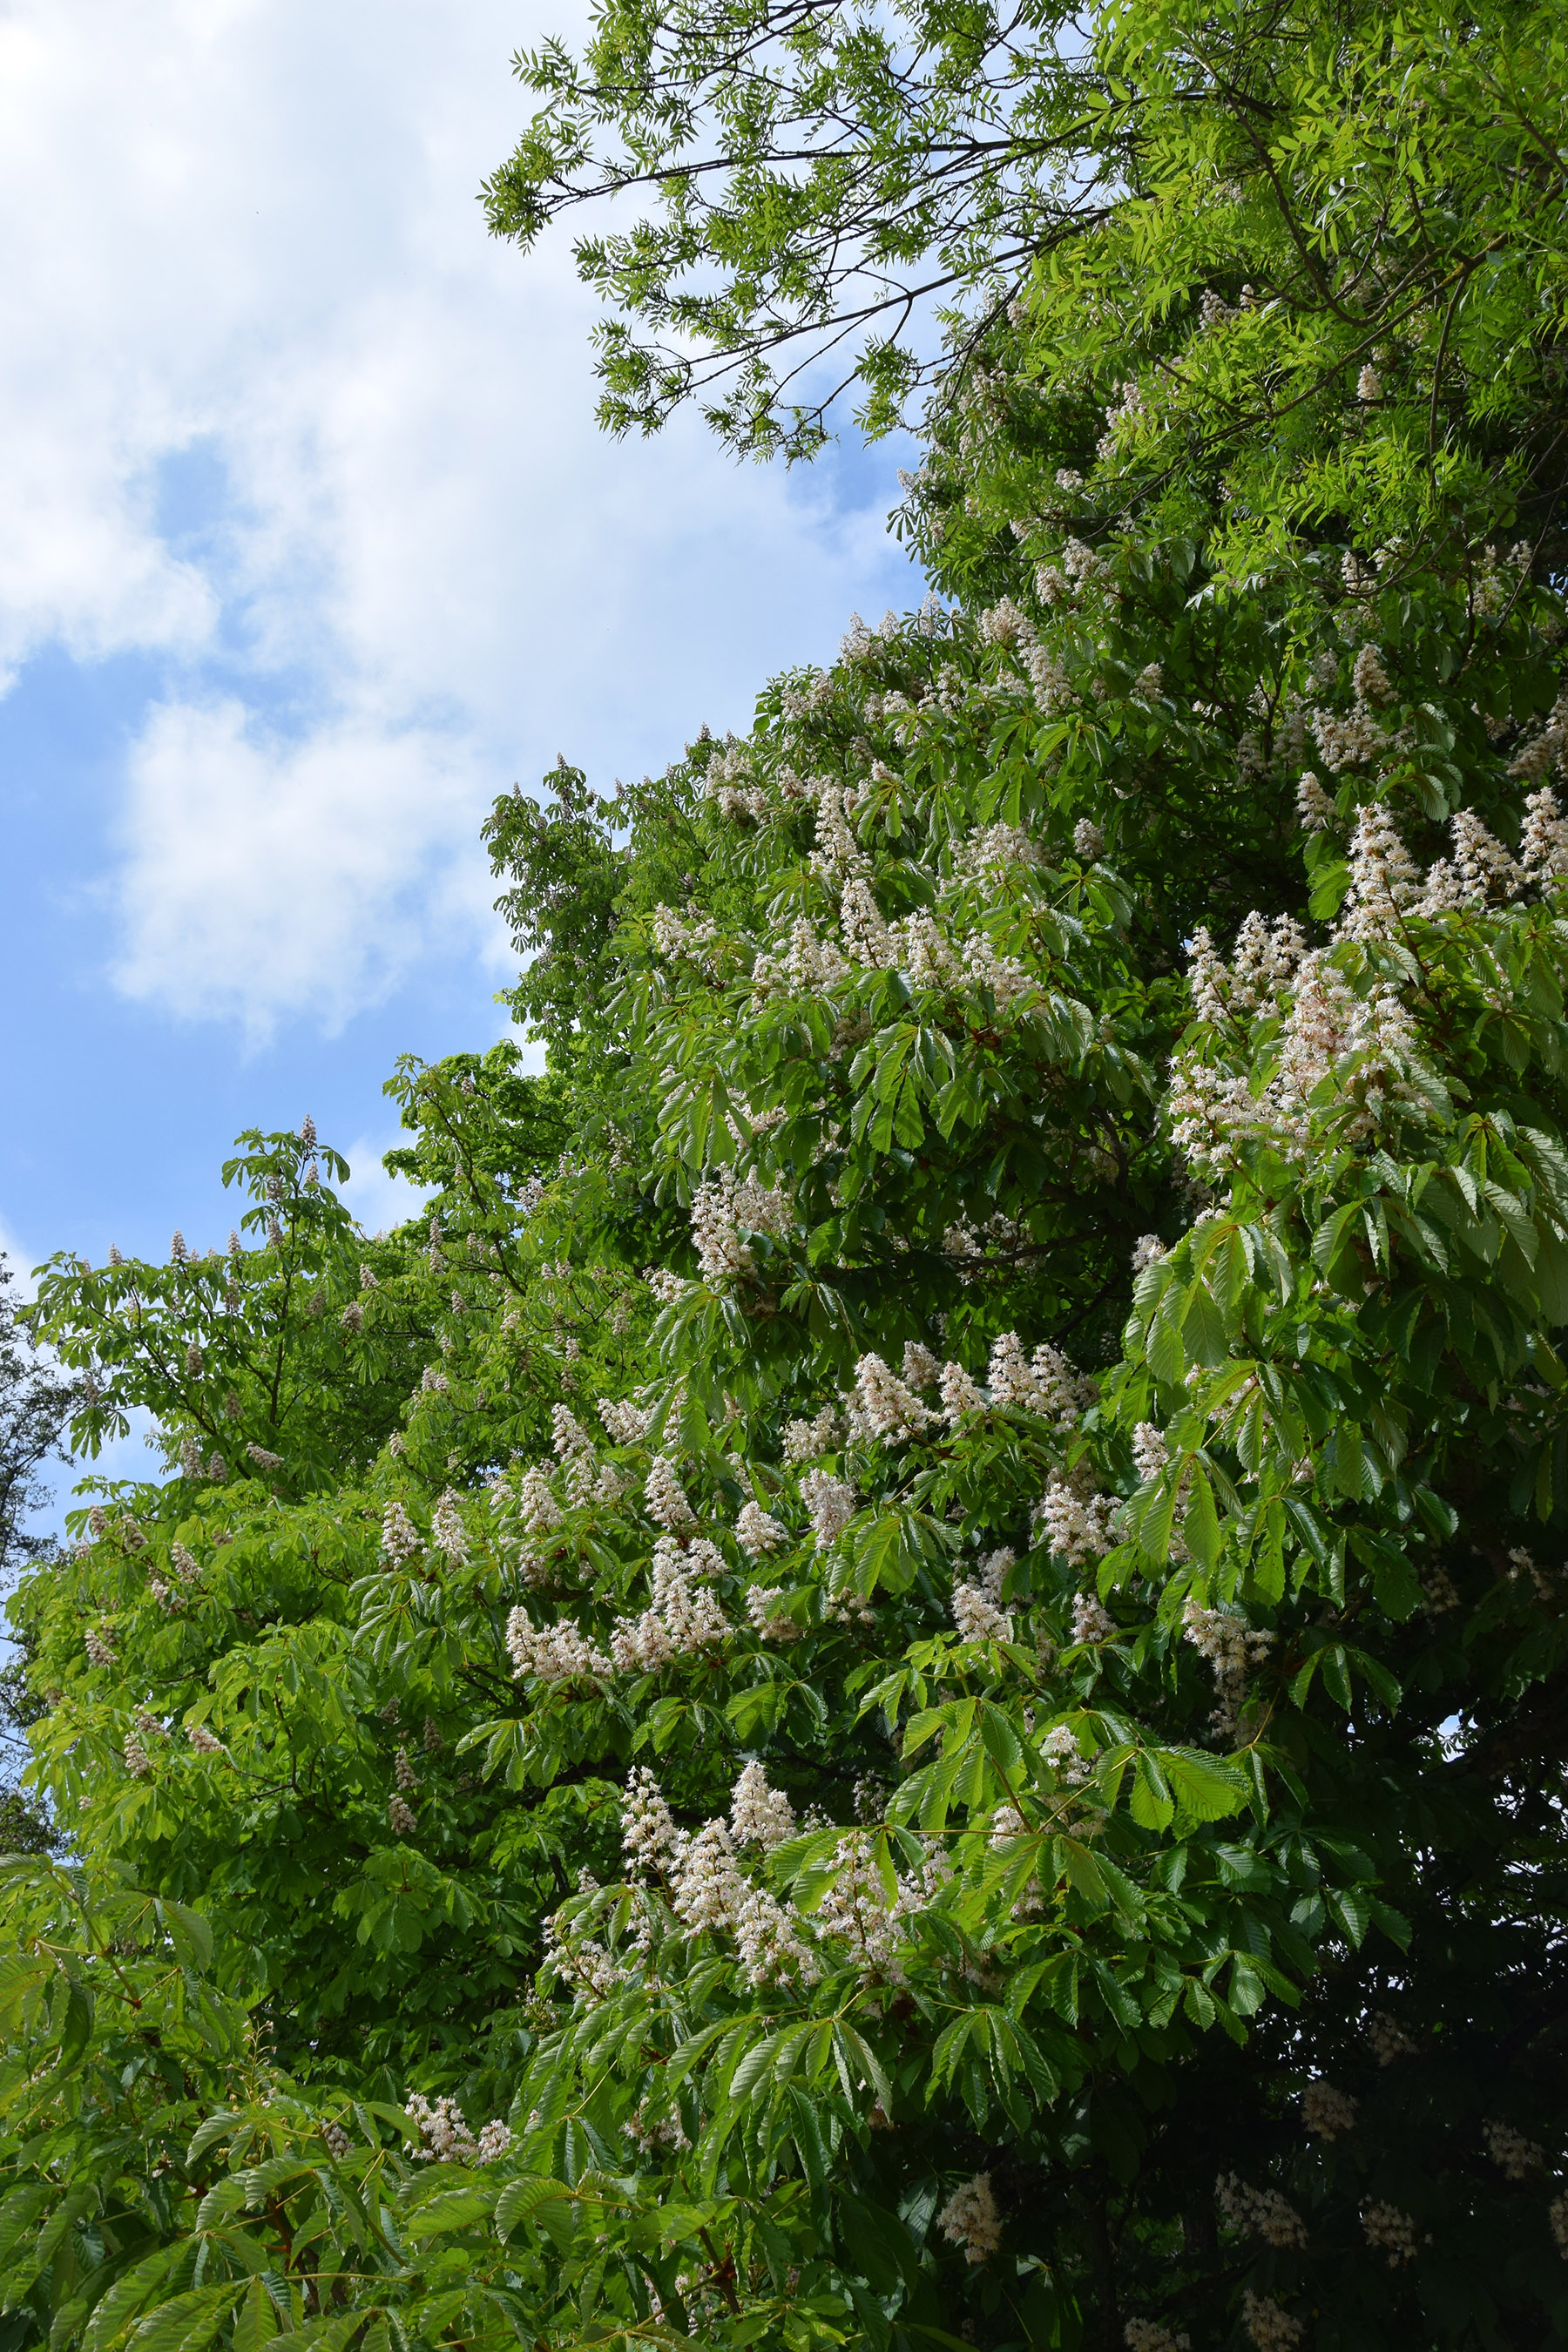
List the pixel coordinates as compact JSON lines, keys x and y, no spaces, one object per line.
{"x":934,"y":1713}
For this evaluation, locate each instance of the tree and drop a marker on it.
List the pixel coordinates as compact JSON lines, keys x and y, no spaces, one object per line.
{"x":34,"y":1404}
{"x":984,"y":1506}
{"x":820,"y":175}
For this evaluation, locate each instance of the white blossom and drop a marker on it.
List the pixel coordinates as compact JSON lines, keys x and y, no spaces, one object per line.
{"x":1326,"y":2113}
{"x":648,"y":1835}
{"x":1386,"y":2039}
{"x":557,"y":1652}
{"x":758,"y":1532}
{"x":724,"y":1208}
{"x":1076,"y":1526}
{"x":1060,"y":1750}
{"x":969,"y":2220}
{"x":1232,"y":1649}
{"x":855,"y":1911}
{"x":399,"y":1538}
{"x":831,"y":1504}
{"x":1091,"y":1621}
{"x":758,"y":1813}
{"x":1515,"y":2157}
{"x":885,"y":1407}
{"x":768,"y":1616}
{"x":1149,"y":1452}
{"x":626,"y":1423}
{"x":804,"y":1440}
{"x":1263,"y":2212}
{"x":960,"y":1394}
{"x":447,"y":1531}
{"x":1269,"y":2324}
{"x":664,"y":1496}
{"x":1392,"y":2233}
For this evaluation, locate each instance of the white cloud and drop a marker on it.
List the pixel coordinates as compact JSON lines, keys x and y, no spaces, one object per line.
{"x":247,"y":234}
{"x":264,"y":878}
{"x":378,"y":1200}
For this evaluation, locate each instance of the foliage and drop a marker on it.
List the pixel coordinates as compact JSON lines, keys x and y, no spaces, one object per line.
{"x":34,"y":1401}
{"x":899,"y":1682}
{"x":817,"y":177}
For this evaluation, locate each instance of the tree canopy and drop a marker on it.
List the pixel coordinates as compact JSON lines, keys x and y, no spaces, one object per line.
{"x":898,"y":1679}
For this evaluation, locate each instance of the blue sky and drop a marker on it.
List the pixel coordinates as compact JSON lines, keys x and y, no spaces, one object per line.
{"x":310,"y":548}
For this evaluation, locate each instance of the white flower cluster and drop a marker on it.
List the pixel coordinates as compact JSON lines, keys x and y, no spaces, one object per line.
{"x":1557,"y":2217}
{"x":444,"y":2136}
{"x":400,"y":1817}
{"x":202,"y":1741}
{"x":769,"y":1618}
{"x":1546,"y":749}
{"x":673,"y":938}
{"x":1060,"y":1750}
{"x":724,"y":1209}
{"x":959,"y":1394}
{"x":809,"y":966}
{"x":685,"y":1617}
{"x":758,"y":1813}
{"x":98,"y":1643}
{"x":557,"y":1652}
{"x":1090,"y":1620}
{"x":855,"y":1910}
{"x":831,"y":1504}
{"x":977,"y":1608}
{"x":804,"y":1440}
{"x":758,"y":1531}
{"x":1149,"y":1452}
{"x":884,"y":1407}
{"x":138,"y":1763}
{"x":665,"y":1496}
{"x":399,"y":1538}
{"x":708,"y":1890}
{"x":1044,"y":1383}
{"x":1264,"y":964}
{"x":1262,"y":2212}
{"x":1232,"y":1649}
{"x":338,"y":2142}
{"x":1515,"y":2157}
{"x":1269,"y":2323}
{"x":537,"y":1508}
{"x":1394,"y":2233}
{"x":1077,"y":1526}
{"x":1148,"y":2335}
{"x":648,"y":1835}
{"x":448,"y":1532}
{"x":1365,"y":1041}
{"x":1386,"y":2039}
{"x":627,"y":1423}
{"x":1326,"y":2113}
{"x":970,"y":2219}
